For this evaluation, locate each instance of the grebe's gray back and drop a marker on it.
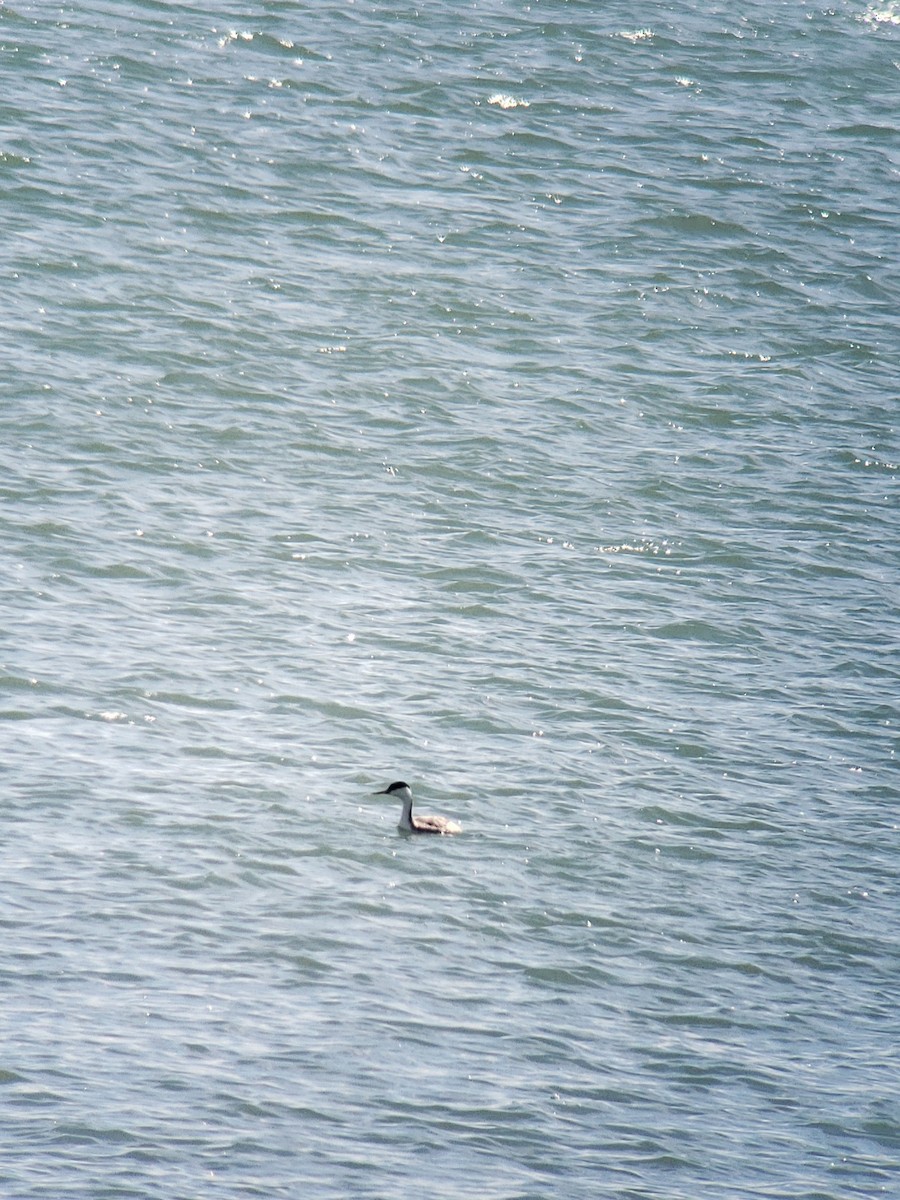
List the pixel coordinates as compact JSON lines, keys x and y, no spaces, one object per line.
{"x":411,"y":824}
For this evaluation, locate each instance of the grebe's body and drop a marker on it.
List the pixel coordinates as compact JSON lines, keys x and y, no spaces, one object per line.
{"x":409,"y":823}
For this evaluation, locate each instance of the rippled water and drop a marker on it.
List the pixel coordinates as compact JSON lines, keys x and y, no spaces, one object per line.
{"x":500,"y":397}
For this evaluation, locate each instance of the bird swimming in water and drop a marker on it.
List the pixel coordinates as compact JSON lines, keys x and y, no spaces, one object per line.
{"x":411,"y":824}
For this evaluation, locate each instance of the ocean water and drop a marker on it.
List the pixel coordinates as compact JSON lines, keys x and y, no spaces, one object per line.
{"x":498,"y":396}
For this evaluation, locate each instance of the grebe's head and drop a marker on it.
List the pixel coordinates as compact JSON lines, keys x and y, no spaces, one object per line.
{"x":395,"y":789}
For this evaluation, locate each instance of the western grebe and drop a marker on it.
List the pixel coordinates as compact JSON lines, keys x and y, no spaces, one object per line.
{"x":411,"y":824}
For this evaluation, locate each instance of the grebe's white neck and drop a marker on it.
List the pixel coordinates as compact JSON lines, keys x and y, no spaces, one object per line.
{"x":406,"y":821}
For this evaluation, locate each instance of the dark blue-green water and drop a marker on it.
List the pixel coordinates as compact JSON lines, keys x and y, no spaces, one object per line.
{"x":501,"y":397}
